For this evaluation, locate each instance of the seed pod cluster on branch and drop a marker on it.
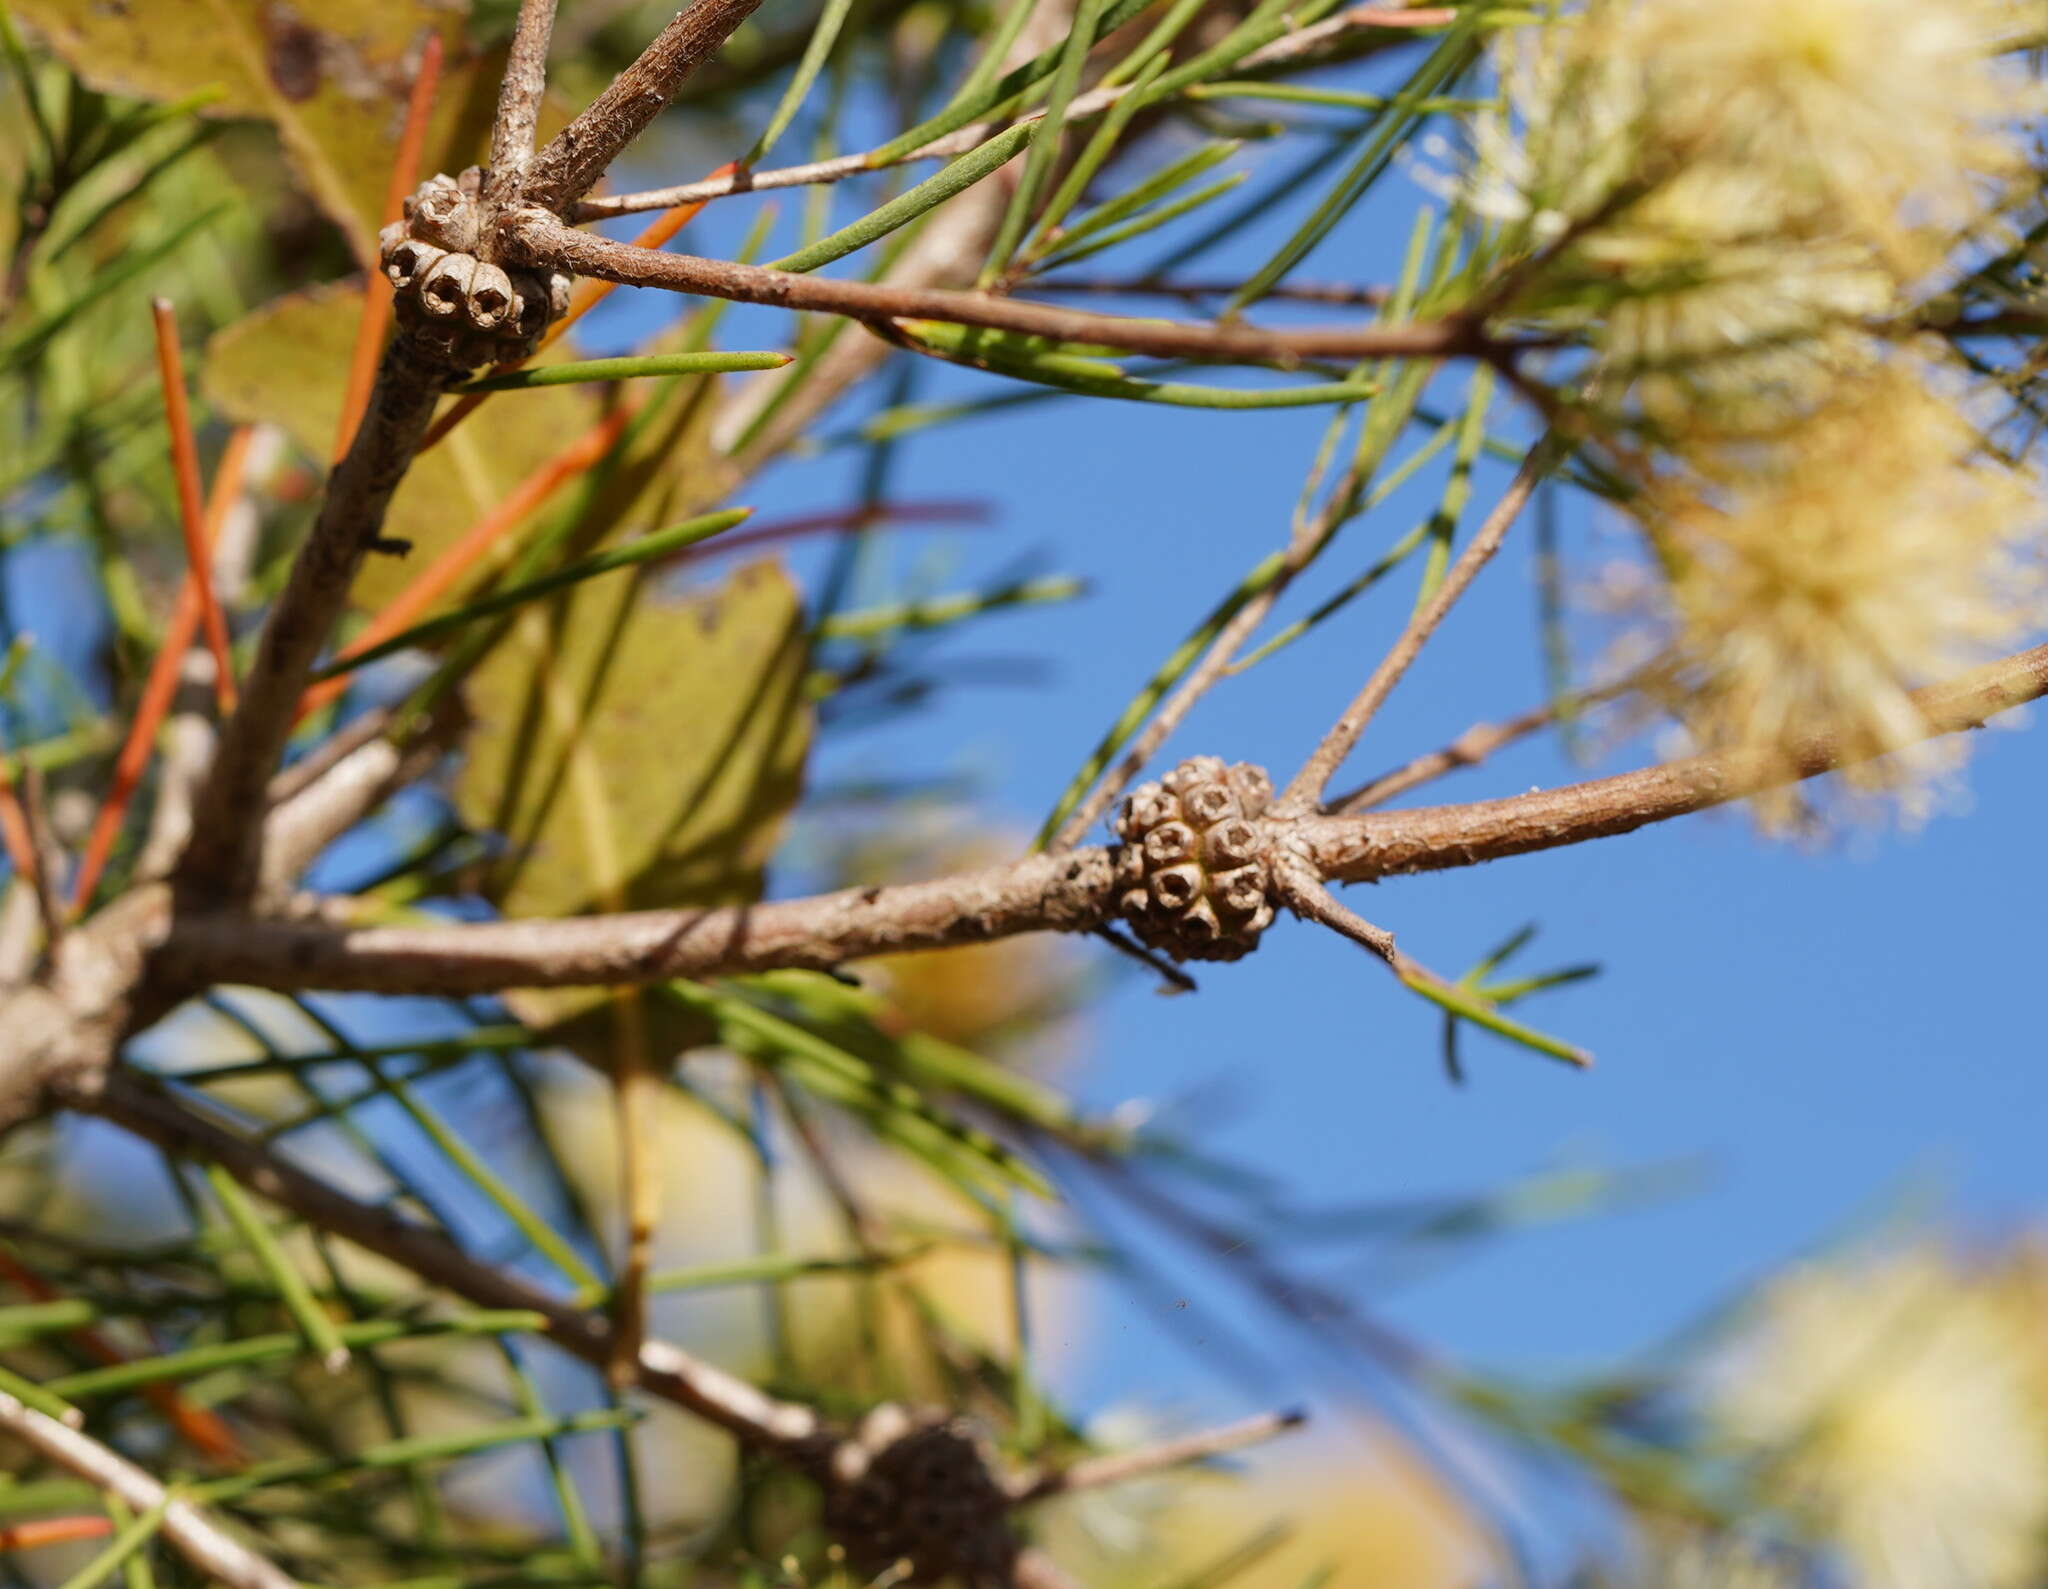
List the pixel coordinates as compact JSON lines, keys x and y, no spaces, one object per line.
{"x":1193,"y":876}
{"x":920,"y":1488}
{"x":454,"y":301}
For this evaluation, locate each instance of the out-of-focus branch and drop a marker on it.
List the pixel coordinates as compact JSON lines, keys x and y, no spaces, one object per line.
{"x":213,"y":1553}
{"x":665,"y":1371}
{"x":1120,"y":1466}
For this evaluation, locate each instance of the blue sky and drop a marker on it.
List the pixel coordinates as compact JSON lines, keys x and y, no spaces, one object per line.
{"x":1815,"y":1034}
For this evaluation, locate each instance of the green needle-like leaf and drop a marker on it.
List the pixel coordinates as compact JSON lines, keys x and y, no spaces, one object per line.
{"x":1046,"y":135}
{"x":636,"y":367}
{"x":320,"y":1331}
{"x":938,"y":611}
{"x":663,"y":543}
{"x":950,"y":180}
{"x":1029,"y":359}
{"x":134,"y":1537}
{"x":823,"y":36}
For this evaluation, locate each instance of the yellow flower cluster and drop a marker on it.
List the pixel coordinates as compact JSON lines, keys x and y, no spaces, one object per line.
{"x":1895,"y":1405}
{"x":1812,"y":580}
{"x":1724,"y":193}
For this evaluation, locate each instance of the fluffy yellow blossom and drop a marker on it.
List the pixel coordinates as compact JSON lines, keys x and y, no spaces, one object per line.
{"x":1731,"y":190}
{"x":1888,"y":1404}
{"x":1893,"y":113}
{"x":1812,"y":581}
{"x":1687,"y":1561}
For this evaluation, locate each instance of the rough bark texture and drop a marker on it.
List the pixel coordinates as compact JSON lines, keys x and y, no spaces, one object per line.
{"x":536,"y":239}
{"x":579,"y":154}
{"x":221,"y":862}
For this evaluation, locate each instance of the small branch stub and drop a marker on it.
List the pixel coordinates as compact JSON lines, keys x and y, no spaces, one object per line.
{"x":918,"y":1495}
{"x":1194,"y":875}
{"x":455,"y":303}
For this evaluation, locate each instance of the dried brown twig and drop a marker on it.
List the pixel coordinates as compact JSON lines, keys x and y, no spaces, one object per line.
{"x":538,"y":239}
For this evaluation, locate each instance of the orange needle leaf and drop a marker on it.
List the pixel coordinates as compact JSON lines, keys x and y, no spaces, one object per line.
{"x":451,"y":566}
{"x":191,"y":516}
{"x":362,"y":368}
{"x":161,"y":687}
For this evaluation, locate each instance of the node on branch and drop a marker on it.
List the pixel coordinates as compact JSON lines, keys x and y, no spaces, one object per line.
{"x":454,"y":301}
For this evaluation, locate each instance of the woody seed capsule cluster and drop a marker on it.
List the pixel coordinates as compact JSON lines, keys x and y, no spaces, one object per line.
{"x":1193,"y":882}
{"x":461,"y":307}
{"x":921,"y":1490}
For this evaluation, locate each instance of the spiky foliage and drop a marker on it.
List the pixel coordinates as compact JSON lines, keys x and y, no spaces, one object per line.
{"x":478,"y":1107}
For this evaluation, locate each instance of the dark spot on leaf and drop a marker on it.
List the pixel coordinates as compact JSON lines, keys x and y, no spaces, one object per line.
{"x":291,"y":53}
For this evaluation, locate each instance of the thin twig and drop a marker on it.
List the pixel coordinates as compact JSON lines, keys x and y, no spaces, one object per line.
{"x":665,"y":1371}
{"x":1307,"y":539}
{"x":195,"y":1535}
{"x":581,"y":152}
{"x":1175,"y":979}
{"x":539,"y":240}
{"x":1469,"y":749}
{"x":520,"y":94}
{"x":1291,"y":49}
{"x":1307,"y":785}
{"x":1072,"y":892}
{"x":1122,"y":1466}
{"x":299,"y":829}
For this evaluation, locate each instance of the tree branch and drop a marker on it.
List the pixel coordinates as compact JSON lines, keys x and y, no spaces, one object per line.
{"x":196,"y":1536}
{"x":1437,"y":838}
{"x":665,"y":1371}
{"x":519,"y":96}
{"x":1070,"y":892}
{"x":579,"y":154}
{"x":220,"y":862}
{"x":1119,"y":1467}
{"x":1306,"y":789}
{"x":538,"y":240}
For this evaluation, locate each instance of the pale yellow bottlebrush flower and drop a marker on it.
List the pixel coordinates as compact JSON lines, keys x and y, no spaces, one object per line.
{"x":1724,"y":194}
{"x":1812,"y":581}
{"x":1690,"y":1561}
{"x":1888,"y":1404}
{"x":1894,"y":113}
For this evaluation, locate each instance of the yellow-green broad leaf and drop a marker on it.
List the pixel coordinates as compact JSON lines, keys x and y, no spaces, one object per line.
{"x":286,"y":364}
{"x":331,"y":75}
{"x":634,"y":752}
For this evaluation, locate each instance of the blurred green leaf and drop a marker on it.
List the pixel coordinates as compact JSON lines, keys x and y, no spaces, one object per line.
{"x":287,"y":363}
{"x":331,"y":75}
{"x":638,"y":752}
